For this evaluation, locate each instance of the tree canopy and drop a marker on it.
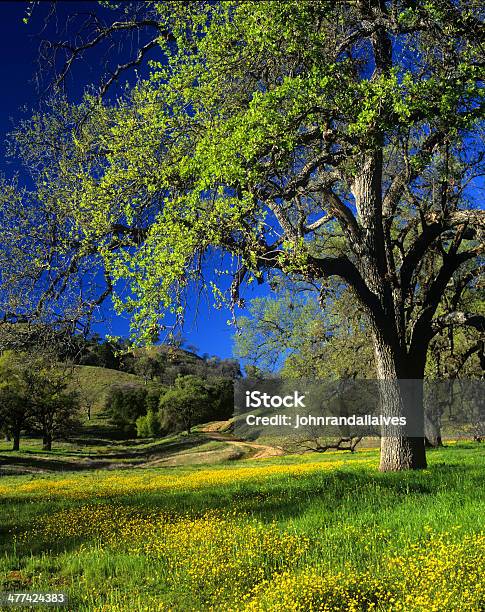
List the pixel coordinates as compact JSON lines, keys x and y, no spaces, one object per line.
{"x":309,"y":139}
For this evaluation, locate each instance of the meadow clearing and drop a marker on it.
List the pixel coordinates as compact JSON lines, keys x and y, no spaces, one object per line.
{"x":313,"y":532}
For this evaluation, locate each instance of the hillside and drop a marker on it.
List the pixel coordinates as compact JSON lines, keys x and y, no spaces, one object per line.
{"x":93,"y":382}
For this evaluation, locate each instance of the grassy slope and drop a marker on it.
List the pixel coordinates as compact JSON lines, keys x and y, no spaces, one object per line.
{"x":188,"y":538}
{"x":93,"y":383}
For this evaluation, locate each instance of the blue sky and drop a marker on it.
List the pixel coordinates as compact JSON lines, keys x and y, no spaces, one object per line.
{"x":19,"y":42}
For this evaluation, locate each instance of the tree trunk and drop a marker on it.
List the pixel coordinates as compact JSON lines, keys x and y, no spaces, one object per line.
{"x":434,"y":409}
{"x":16,"y":441}
{"x":398,"y":452}
{"x":433,"y":441}
{"x":402,"y":453}
{"x":400,"y":394}
{"x":47,"y":442}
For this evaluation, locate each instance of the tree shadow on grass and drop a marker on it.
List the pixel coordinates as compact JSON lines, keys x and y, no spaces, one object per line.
{"x":284,"y":498}
{"x":43,"y":461}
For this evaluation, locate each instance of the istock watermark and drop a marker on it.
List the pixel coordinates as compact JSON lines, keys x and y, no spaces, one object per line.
{"x":356,"y":408}
{"x":256,"y":399}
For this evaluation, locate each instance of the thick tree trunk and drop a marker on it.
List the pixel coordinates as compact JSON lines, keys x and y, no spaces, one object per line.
{"x":401,"y":395}
{"x":402,"y":453}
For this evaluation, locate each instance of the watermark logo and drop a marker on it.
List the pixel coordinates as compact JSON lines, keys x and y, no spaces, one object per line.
{"x":259,"y":399}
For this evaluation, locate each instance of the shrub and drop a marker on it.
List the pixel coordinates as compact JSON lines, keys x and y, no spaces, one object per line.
{"x":148,"y":425}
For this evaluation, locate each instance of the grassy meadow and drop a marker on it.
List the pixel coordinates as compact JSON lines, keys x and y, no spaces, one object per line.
{"x":312,"y":532}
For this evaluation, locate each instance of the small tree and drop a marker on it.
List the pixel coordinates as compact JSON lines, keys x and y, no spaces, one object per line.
{"x":147,"y":367}
{"x":148,"y":425}
{"x":184,"y":405}
{"x":55,"y":409}
{"x":33,"y":392}
{"x":54,"y":414}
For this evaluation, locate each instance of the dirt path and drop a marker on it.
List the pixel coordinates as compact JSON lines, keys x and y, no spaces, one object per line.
{"x":182,"y":452}
{"x":262,"y":450}
{"x":231,"y":449}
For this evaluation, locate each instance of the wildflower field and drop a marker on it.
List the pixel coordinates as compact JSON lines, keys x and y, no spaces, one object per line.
{"x":319,"y":532}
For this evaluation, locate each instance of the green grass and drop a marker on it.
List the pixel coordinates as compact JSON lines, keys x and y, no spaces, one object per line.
{"x":121,"y":538}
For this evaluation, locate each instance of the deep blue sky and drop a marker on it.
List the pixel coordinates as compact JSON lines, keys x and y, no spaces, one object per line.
{"x":19,"y":43}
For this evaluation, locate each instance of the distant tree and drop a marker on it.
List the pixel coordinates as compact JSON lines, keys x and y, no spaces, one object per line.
{"x":56,"y":413}
{"x":15,"y":406}
{"x":184,"y":405}
{"x":456,"y":351}
{"x":147,"y":367}
{"x":34,"y":394}
{"x":125,"y":403}
{"x":100,"y":353}
{"x":221,"y":399}
{"x":292,"y":333}
{"x":55,"y":408}
{"x":256,"y":373}
{"x":226,"y":368}
{"x":154,"y":391}
{"x":193,"y":400}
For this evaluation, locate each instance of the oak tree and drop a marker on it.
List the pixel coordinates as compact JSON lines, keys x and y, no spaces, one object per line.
{"x":310,"y":139}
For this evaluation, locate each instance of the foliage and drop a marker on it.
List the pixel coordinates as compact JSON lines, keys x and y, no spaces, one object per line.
{"x":249,"y":93}
{"x":301,"y":338}
{"x":292,"y":333}
{"x":125,"y":404}
{"x":221,"y":399}
{"x":149,"y":425}
{"x":309,"y":139}
{"x":184,"y":405}
{"x":193,"y":401}
{"x":160,"y":364}
{"x":37,"y":395}
{"x":54,"y":406}
{"x":190,"y":400}
{"x":15,"y":405}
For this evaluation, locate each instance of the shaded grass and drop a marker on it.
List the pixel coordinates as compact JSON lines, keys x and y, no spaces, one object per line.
{"x":85,"y":453}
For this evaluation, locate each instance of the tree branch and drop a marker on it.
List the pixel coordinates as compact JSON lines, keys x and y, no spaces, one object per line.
{"x":423,"y":329}
{"x":458,"y":318}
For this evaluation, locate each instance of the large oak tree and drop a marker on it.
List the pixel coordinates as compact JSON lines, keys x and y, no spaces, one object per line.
{"x":309,"y":139}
